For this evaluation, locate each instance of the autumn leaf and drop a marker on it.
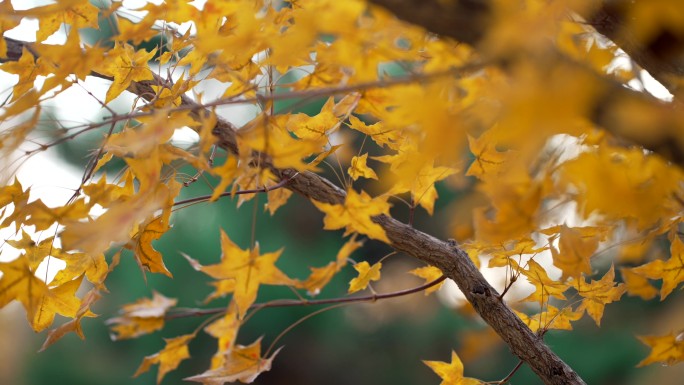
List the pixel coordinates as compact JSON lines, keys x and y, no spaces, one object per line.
{"x":359,"y":168}
{"x":545,"y":287}
{"x":668,"y":349}
{"x":367,"y":273}
{"x":75,"y":13}
{"x":598,"y":294}
{"x":377,"y":132}
{"x":488,"y":161}
{"x":430,"y":274}
{"x":168,"y":359}
{"x":637,"y":285}
{"x":142,"y":317}
{"x":242,"y":363}
{"x":19,"y":282}
{"x":73,"y":325}
{"x":355,"y":215}
{"x":551,"y":318}
{"x":248,"y":268}
{"x":670,"y":271}
{"x":127,"y":66}
{"x":576,"y":247}
{"x":451,"y":373}
{"x":320,"y":276}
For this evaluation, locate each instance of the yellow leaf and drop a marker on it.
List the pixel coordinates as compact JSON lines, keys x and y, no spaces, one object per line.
{"x":429,"y":273}
{"x":551,"y":318}
{"x":360,"y":169}
{"x":576,"y":247}
{"x":670,"y":271}
{"x":73,"y":325}
{"x":248,"y":268}
{"x":545,"y":287}
{"x":306,"y":127}
{"x":127,"y":66}
{"x":668,"y":349}
{"x":168,"y":359}
{"x":242,"y":363}
{"x":597,"y":294}
{"x":451,"y":373}
{"x":142,"y":317}
{"x":76,"y":13}
{"x":367,"y":273}
{"x":488,"y":161}
{"x":58,"y":300}
{"x":19,"y":282}
{"x":637,"y":285}
{"x":355,"y":215}
{"x":226,"y":330}
{"x":377,"y":132}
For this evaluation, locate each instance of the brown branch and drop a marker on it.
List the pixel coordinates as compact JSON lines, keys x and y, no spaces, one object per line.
{"x":330,"y":301}
{"x":454,"y":262}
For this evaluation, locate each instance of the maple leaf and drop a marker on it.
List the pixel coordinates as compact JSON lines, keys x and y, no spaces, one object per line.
{"x":28,"y":70}
{"x":127,"y":66}
{"x":545,"y":287}
{"x":306,"y":127}
{"x":73,"y":325}
{"x":576,"y":246}
{"x":367,"y":273}
{"x":377,"y":132}
{"x":8,"y":20}
{"x":670,"y":271}
{"x":355,"y":214}
{"x":451,"y":373}
{"x":73,"y":12}
{"x":637,"y":285}
{"x":430,"y":274}
{"x":168,"y":359}
{"x":359,"y":168}
{"x":668,"y":349}
{"x":488,"y":162}
{"x":56,"y":300}
{"x":320,"y":276}
{"x":19,"y":282}
{"x":142,"y":317}
{"x":248,"y":268}
{"x":551,"y":318}
{"x":225,"y":329}
{"x":597,"y":294}
{"x":242,"y":363}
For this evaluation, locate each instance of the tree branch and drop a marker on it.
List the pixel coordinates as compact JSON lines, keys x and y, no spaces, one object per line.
{"x":454,"y":262}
